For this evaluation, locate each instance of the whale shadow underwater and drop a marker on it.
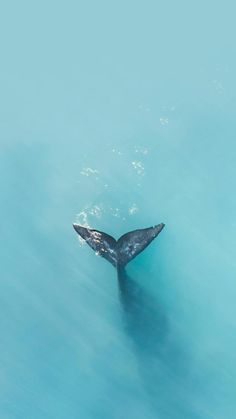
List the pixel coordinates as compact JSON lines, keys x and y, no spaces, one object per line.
{"x":144,"y":317}
{"x":162,"y":364}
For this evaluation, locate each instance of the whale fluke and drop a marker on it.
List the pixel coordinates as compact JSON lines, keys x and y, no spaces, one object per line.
{"x":119,"y":252}
{"x":102,"y":243}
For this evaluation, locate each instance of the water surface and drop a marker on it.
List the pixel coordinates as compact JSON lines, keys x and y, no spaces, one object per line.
{"x":117,"y":116}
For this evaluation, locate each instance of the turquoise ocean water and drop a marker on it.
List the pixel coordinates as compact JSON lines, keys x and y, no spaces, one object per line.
{"x":117,"y":115}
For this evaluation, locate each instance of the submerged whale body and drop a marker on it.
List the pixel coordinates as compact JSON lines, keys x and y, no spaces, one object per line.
{"x":119,"y":252}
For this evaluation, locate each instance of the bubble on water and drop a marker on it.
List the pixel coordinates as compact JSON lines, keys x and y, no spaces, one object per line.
{"x":88,"y":171}
{"x":138,"y":167}
{"x":81,"y":240}
{"x":164,"y":121}
{"x":116,"y":151}
{"x":141,"y":150}
{"x":96,"y":211}
{"x":82,"y":218}
{"x":115,"y":212}
{"x":133,"y":209}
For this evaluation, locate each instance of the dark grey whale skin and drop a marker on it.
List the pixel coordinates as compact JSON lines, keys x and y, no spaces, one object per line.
{"x":122,"y":251}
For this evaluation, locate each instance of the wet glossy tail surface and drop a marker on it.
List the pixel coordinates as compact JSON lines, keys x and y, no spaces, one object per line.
{"x":120,"y":252}
{"x":131,"y":244}
{"x":102,"y":243}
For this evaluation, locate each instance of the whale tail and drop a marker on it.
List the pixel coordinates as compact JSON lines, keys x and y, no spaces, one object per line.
{"x":122,"y":251}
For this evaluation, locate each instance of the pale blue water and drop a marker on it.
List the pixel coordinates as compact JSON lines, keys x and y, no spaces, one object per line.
{"x":119,"y":115}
